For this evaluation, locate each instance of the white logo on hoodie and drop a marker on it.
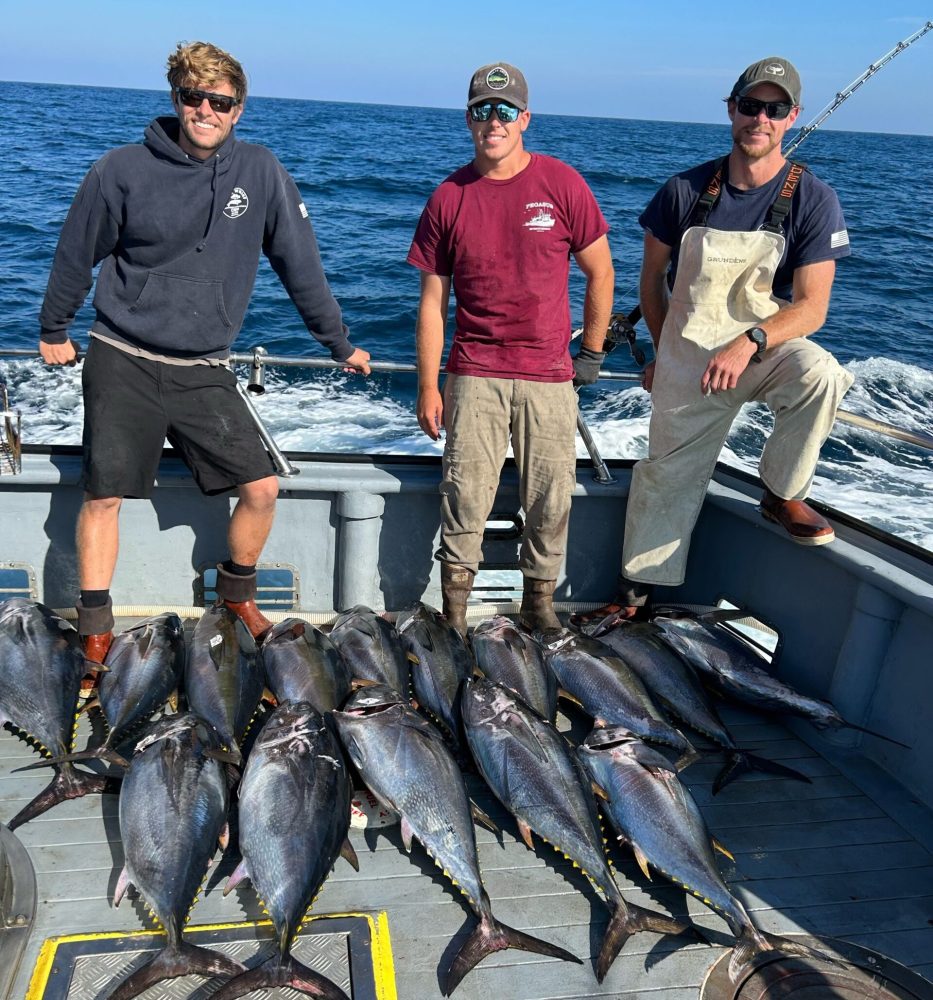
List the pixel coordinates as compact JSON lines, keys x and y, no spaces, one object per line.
{"x":237,"y":205}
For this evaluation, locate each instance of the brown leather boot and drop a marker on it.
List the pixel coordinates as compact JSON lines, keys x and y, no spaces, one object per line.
{"x":456,"y":584}
{"x":537,"y":610}
{"x":611,"y":610}
{"x":805,"y":525}
{"x":238,"y":593}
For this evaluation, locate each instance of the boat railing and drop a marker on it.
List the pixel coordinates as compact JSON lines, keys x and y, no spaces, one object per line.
{"x":259,"y":359}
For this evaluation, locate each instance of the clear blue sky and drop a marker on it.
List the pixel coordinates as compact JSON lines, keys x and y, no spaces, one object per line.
{"x":669,"y":59}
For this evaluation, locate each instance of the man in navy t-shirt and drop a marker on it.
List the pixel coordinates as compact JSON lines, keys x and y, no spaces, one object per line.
{"x":501,"y":232}
{"x":739,"y":260}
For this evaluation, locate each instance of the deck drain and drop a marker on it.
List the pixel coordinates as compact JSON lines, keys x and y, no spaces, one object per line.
{"x":859,"y":974}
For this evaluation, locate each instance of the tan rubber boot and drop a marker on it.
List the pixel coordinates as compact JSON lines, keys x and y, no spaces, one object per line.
{"x":456,"y":584}
{"x":537,"y":611}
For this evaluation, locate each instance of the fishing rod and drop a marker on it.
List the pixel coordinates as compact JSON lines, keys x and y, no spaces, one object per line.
{"x":844,"y":95}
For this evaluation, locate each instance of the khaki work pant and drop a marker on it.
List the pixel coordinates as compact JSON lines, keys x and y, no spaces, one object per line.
{"x":801,"y":383}
{"x":481,"y":416}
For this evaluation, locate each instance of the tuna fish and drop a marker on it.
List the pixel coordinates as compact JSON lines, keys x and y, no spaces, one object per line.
{"x":441,"y":662}
{"x":406,"y":764}
{"x":506,"y":654}
{"x":610,"y":691}
{"x":678,"y":689}
{"x":144,"y":668}
{"x":42,"y":666}
{"x":372,"y":648}
{"x":173,"y":811}
{"x":302,"y":664}
{"x":223,"y":676}
{"x":294,"y":809}
{"x":732,"y":668}
{"x":654,"y":813}
{"x":531,"y":769}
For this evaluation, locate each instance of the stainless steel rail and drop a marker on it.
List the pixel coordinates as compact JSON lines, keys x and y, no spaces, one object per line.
{"x":918,"y":438}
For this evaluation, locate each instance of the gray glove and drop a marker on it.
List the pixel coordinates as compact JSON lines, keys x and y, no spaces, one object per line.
{"x":586,"y":366}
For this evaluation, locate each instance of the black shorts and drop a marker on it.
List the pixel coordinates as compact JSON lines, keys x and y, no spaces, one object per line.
{"x":132,"y":404}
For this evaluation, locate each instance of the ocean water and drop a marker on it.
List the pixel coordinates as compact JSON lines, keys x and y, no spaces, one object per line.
{"x":365,"y":172}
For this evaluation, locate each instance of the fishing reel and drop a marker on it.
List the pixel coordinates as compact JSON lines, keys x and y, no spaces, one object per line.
{"x":622,"y":330}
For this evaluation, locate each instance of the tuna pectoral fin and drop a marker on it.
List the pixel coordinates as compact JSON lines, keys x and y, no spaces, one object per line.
{"x":274,"y":973}
{"x":482,"y":818}
{"x":490,"y":936}
{"x":753,"y":942}
{"x":742,"y":762}
{"x":181,"y":960}
{"x":101,"y":753}
{"x":628,"y":919}
{"x":349,"y":854}
{"x":67,"y":784}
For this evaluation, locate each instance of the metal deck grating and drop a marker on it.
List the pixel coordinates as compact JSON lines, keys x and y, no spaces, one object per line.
{"x":825,"y":859}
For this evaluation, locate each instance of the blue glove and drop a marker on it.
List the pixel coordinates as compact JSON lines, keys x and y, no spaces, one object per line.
{"x":586,"y":366}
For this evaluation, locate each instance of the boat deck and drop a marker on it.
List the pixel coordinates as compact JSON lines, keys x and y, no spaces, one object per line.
{"x":849,"y":855}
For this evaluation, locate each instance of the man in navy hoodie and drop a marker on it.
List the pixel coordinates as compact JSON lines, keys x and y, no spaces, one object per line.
{"x":177,"y":224}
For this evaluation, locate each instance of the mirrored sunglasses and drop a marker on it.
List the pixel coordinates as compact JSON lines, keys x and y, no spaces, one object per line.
{"x":504,"y":112}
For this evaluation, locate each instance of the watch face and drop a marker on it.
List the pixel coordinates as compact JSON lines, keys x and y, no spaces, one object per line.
{"x":759,"y":337}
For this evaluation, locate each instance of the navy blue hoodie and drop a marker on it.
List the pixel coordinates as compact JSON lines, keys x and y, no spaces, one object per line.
{"x":180,"y":240}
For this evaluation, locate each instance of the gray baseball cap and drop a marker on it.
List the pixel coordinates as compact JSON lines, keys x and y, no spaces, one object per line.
{"x":774,"y":70}
{"x":498,"y":81}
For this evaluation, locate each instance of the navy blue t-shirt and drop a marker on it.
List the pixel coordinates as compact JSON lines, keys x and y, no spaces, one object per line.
{"x":814,"y":229}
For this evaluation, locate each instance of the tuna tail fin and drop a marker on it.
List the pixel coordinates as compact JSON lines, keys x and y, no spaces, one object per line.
{"x":67,"y":784}
{"x":181,"y":959}
{"x":274,"y":973}
{"x":743,"y":762}
{"x":490,"y":936}
{"x":626,"y":920}
{"x":752,"y":943}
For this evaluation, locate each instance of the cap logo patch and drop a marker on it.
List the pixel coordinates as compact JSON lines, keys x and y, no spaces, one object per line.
{"x":497,"y":78}
{"x":775,"y":69}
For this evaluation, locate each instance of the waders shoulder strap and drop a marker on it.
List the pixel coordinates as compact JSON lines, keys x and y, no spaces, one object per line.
{"x":781,"y":206}
{"x":710,"y":196}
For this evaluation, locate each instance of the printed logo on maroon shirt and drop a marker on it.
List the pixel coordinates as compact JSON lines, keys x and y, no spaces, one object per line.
{"x":538,"y":216}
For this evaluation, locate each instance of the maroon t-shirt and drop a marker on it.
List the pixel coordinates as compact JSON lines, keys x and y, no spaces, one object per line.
{"x":506,"y":244}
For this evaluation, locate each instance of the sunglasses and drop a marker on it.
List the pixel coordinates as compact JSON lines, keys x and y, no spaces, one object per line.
{"x":220,"y":103}
{"x":751,"y":107}
{"x":504,"y":112}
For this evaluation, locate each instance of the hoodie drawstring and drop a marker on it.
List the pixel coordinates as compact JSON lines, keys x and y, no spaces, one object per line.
{"x":210,"y":218}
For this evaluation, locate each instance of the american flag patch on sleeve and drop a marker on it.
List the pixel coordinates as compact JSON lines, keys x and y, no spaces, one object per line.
{"x":840,"y":239}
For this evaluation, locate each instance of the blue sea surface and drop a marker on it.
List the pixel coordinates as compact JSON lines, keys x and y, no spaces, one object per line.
{"x":365,"y":172}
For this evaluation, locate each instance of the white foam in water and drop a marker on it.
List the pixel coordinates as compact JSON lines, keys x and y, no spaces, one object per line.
{"x":884,"y":482}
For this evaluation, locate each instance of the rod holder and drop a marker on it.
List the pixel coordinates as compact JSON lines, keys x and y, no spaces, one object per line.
{"x":257,"y":371}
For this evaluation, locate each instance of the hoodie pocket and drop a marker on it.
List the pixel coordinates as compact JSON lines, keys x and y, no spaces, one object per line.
{"x":181,"y":313}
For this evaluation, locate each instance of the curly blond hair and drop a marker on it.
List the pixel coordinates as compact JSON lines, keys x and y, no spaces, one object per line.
{"x":202,"y":63}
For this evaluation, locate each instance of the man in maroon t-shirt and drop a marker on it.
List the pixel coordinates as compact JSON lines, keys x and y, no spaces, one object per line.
{"x":502,"y":230}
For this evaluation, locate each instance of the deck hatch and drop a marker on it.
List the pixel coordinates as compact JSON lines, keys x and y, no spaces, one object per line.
{"x":353,"y":950}
{"x":277,"y":587}
{"x":18,"y":580}
{"x":856,"y":974}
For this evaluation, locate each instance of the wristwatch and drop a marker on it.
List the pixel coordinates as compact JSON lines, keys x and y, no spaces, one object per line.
{"x":760,"y":339}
